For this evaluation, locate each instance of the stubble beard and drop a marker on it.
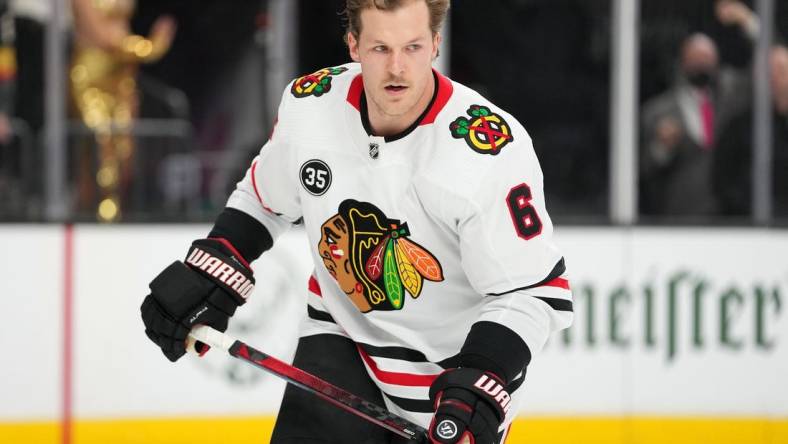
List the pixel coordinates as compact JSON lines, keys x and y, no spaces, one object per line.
{"x":396,"y":109}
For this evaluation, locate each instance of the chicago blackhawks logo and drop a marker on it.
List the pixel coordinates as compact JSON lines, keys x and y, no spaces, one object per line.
{"x":485,"y":132}
{"x":315,"y":84}
{"x":372,"y":258}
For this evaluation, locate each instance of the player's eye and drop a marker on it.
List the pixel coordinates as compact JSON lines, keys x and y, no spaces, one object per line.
{"x":380,"y":48}
{"x":413,"y":47}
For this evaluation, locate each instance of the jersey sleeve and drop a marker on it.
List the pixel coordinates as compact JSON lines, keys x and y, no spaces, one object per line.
{"x":508,"y":252}
{"x":268,"y":192}
{"x":505,"y":232}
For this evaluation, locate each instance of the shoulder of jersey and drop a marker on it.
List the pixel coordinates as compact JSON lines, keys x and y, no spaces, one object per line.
{"x":472,"y":127}
{"x":324,"y":86}
{"x":473,"y":137}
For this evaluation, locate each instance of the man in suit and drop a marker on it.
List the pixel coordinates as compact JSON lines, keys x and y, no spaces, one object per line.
{"x":681,"y":126}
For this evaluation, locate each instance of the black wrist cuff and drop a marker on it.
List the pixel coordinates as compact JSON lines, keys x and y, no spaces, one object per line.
{"x":495,"y":348}
{"x":244,"y":232}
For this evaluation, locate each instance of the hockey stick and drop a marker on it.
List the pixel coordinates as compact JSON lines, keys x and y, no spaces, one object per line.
{"x":331,"y":393}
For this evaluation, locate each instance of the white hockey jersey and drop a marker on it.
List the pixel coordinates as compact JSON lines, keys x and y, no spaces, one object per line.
{"x":414,"y":238}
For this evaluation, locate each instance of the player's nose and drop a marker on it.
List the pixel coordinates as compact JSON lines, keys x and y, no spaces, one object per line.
{"x":395,"y":63}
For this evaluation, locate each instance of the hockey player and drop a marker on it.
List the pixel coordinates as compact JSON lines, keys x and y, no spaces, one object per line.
{"x":436,"y":279}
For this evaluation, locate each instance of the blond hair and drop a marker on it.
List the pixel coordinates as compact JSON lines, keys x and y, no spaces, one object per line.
{"x":352,"y":13}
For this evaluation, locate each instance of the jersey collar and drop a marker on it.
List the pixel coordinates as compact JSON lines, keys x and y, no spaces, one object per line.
{"x":441,"y":95}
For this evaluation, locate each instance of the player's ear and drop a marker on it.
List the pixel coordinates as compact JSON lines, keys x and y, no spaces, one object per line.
{"x":352,"y":45}
{"x":436,"y":43}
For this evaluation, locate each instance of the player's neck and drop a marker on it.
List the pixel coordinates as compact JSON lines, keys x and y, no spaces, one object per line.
{"x":386,"y":125}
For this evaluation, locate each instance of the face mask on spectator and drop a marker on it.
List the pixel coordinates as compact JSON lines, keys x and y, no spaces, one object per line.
{"x":701,"y":79}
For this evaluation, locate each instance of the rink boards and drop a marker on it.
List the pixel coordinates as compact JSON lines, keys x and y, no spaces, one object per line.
{"x":679,"y":333}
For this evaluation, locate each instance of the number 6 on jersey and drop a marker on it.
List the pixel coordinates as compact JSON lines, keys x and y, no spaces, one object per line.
{"x":526,"y":221}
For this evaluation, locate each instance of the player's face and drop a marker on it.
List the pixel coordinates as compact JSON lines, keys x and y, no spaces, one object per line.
{"x":396,"y":49}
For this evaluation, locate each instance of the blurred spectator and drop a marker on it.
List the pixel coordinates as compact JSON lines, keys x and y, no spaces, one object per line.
{"x":733,"y":157}
{"x":8,"y":153}
{"x":681,"y":126}
{"x":31,"y":18}
{"x":227,"y":94}
{"x":21,"y":102}
{"x":665,"y":24}
{"x":7,"y":71}
{"x":104,"y":93}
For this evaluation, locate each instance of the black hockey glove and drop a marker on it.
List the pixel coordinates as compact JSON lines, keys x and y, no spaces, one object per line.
{"x":206,"y":289}
{"x":469,"y":404}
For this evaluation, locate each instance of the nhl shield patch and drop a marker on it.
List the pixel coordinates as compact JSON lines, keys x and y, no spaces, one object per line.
{"x":484,"y":131}
{"x":315,"y":84}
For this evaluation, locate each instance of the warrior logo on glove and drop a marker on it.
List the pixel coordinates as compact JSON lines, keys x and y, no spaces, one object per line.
{"x":226,"y":273}
{"x":447,"y":429}
{"x":373,"y":259}
{"x":496,"y":391}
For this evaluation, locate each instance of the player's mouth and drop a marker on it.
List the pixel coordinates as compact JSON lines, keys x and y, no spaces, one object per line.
{"x":395,"y":89}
